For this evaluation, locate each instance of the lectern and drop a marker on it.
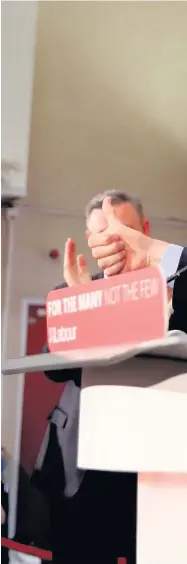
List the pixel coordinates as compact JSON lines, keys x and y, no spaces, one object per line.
{"x":133,"y":417}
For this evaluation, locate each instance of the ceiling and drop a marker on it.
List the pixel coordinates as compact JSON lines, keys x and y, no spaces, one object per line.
{"x":110,"y":104}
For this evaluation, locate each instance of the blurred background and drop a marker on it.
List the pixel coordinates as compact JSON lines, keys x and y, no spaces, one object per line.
{"x":93,"y":98}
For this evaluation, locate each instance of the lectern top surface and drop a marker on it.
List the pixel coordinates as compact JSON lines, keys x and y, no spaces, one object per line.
{"x":173,"y":346}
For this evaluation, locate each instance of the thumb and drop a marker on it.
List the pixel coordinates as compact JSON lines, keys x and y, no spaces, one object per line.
{"x":114,"y":224}
{"x":109,"y":211}
{"x":69,"y":254}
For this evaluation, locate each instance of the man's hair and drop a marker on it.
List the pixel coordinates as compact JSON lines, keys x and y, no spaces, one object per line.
{"x":117,"y":197}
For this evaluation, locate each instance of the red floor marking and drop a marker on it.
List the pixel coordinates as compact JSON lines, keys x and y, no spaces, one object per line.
{"x":40,"y":553}
{"x":26,"y":549}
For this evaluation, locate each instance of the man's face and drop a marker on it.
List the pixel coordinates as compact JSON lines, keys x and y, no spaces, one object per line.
{"x":125,"y":212}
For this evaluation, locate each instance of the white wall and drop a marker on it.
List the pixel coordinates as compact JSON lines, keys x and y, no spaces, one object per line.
{"x":18,"y":55}
{"x":109,"y":104}
{"x":34,"y":274}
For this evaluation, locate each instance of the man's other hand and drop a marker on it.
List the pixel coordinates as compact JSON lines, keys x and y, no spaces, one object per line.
{"x":140,"y":250}
{"x":75,"y":267}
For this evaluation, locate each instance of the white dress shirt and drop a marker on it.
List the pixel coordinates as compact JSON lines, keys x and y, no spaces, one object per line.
{"x":170,"y":261}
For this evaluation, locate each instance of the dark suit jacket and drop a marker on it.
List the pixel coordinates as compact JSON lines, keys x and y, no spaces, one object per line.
{"x":4,"y":528}
{"x":179,"y":317}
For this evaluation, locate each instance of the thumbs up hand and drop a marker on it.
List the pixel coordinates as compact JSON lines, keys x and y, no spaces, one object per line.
{"x":75,"y":267}
{"x":139,"y":250}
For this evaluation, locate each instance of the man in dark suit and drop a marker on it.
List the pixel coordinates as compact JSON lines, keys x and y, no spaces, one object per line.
{"x":104,"y":507}
{"x":98,"y":522}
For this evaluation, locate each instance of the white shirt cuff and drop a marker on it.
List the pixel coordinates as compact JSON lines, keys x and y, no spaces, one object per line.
{"x":170,"y":261}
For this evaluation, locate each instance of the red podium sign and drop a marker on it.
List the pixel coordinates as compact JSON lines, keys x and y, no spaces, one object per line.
{"x":124,"y":309}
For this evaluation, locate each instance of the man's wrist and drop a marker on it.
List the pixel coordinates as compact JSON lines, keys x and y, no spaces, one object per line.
{"x":156,"y":251}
